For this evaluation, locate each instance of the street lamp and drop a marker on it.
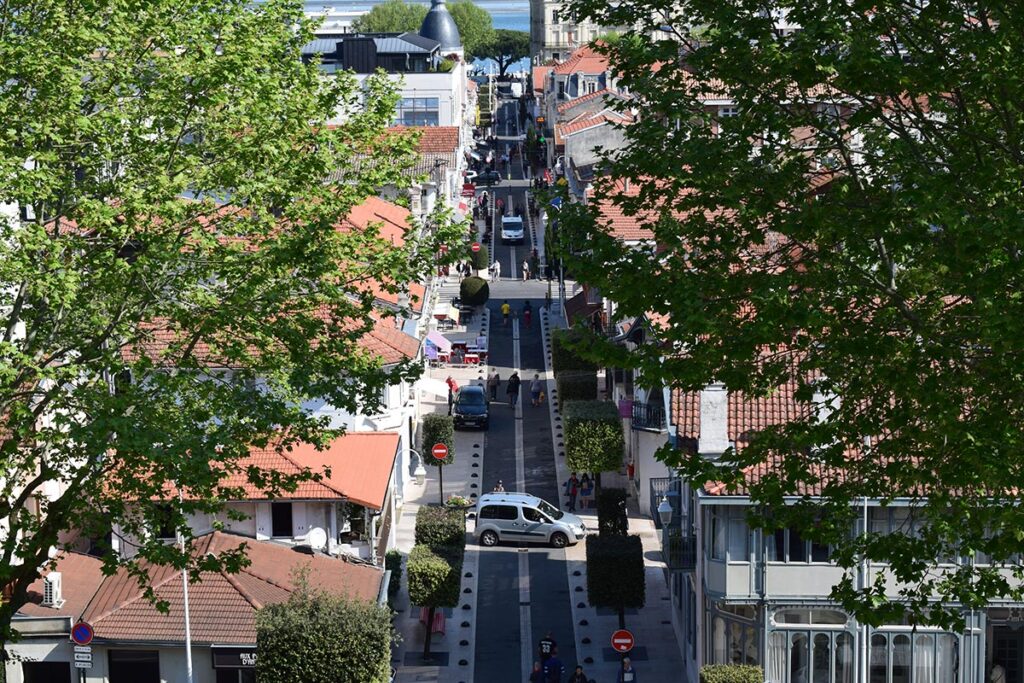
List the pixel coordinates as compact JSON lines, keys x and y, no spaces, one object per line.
{"x":420,"y":472}
{"x":665,"y":511}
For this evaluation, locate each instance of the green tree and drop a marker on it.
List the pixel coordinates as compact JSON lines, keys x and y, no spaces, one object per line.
{"x":475,"y":27}
{"x":852,"y":234}
{"x":434,"y":578}
{"x":506,"y":48}
{"x":110,"y":277}
{"x":316,"y":637}
{"x":615,"y":573}
{"x":440,"y":526}
{"x":437,"y":428}
{"x":391,"y":16}
{"x":594,"y":441}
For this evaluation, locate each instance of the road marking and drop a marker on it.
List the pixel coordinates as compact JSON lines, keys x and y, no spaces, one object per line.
{"x":525,"y":626}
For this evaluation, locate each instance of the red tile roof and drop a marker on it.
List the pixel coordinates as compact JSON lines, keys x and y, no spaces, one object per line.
{"x":81,"y":576}
{"x":433,"y":139}
{"x":390,"y":344}
{"x":628,"y":228}
{"x":584,"y":60}
{"x":392,"y":220}
{"x":222,"y":607}
{"x":589,"y":97}
{"x":360,"y":465}
{"x":587,"y":121}
{"x":540,"y":74}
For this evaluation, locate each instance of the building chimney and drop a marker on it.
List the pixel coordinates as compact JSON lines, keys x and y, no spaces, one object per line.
{"x":714,"y":421}
{"x":52,"y":591}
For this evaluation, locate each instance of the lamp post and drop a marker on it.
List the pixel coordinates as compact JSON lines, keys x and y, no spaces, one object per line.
{"x":420,"y":472}
{"x":665,"y":511}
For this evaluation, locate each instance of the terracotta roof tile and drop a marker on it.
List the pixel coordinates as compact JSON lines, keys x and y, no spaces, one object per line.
{"x":222,"y":607}
{"x":587,"y":121}
{"x":433,"y":139}
{"x":584,"y":60}
{"x":628,"y":228}
{"x":540,"y":74}
{"x":81,"y":576}
{"x":603,"y":93}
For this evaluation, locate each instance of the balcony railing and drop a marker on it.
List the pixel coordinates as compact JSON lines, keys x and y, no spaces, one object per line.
{"x":662,"y":487}
{"x":649,"y":416}
{"x":680,"y":549}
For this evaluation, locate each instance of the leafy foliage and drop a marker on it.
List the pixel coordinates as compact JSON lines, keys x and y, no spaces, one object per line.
{"x":436,"y":429}
{"x":391,"y":16}
{"x":615,"y":571}
{"x":434,"y":575}
{"x":475,"y":27}
{"x":506,"y":47}
{"x":576,"y":385}
{"x":593,"y":436}
{"x":564,"y":354}
{"x":440,"y":526}
{"x":174,"y":214}
{"x":611,"y":512}
{"x":852,"y":233}
{"x":316,"y":637}
{"x":393,"y":562}
{"x":474,"y":290}
{"x":731,"y":673}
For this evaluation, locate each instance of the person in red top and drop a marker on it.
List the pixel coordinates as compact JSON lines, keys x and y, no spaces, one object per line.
{"x":453,"y":387}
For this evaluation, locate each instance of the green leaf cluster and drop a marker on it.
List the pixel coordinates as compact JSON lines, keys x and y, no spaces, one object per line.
{"x":594,"y":440}
{"x":315,"y":637}
{"x":576,"y":385}
{"x":731,"y":673}
{"x":474,"y":290}
{"x":565,"y":356}
{"x":396,"y":16}
{"x":434,"y":575}
{"x":482,"y":258}
{"x":506,"y":47}
{"x":393,"y":563}
{"x":437,"y":428}
{"x":440,"y":526}
{"x":615,"y":572}
{"x":612,"y":518}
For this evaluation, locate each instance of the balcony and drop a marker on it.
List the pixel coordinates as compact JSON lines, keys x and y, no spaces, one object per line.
{"x":662,"y":487}
{"x":649,"y":416}
{"x":679,"y":549}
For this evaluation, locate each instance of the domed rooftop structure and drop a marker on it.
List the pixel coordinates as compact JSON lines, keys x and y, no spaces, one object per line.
{"x":440,"y":26}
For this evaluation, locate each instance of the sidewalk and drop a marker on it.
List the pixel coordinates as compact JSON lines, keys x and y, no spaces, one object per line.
{"x":656,"y":653}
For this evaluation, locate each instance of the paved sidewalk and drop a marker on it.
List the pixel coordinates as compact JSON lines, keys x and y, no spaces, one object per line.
{"x":656,"y":654}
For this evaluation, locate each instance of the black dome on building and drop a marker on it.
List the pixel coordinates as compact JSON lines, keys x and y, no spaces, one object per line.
{"x":438,"y":25}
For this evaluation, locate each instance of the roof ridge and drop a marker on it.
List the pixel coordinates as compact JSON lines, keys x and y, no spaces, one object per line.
{"x":253,"y":602}
{"x":324,"y":479}
{"x":132,"y":600}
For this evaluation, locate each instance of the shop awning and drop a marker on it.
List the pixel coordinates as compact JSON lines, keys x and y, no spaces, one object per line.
{"x":438,"y":340}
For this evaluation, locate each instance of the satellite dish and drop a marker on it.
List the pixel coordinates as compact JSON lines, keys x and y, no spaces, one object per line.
{"x":317,"y":538}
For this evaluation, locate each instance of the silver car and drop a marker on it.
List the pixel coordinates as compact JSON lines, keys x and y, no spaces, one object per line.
{"x":502,"y":516}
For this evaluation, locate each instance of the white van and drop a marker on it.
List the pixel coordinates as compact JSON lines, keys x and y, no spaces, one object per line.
{"x":511,"y":229}
{"x":503,"y":516}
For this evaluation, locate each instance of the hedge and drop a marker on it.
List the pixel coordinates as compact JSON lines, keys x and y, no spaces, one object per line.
{"x":481,"y":259}
{"x":565,"y":359}
{"x":576,"y":385}
{"x":474,"y":291}
{"x":611,"y":512}
{"x":731,"y":673}
{"x":594,"y":440}
{"x":393,"y":563}
{"x":440,"y":526}
{"x":434,"y":576}
{"x":615,"y":572}
{"x":437,"y":428}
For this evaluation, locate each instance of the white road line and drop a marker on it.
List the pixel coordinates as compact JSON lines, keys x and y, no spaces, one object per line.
{"x":525,"y":626}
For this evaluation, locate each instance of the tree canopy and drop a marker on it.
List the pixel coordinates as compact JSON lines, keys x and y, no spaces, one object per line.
{"x":475,"y":27}
{"x":172,"y":276}
{"x":394,"y":16}
{"x":851,"y":235}
{"x":506,"y":47}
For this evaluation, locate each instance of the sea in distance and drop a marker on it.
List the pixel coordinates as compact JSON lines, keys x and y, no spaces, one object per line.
{"x":507,"y":14}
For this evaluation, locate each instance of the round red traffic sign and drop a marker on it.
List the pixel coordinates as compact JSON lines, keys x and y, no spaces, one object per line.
{"x":439,"y":451}
{"x":475,"y":247}
{"x":622,"y":641}
{"x":82,"y":633}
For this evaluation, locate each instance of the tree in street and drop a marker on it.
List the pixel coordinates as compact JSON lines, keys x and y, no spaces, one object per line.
{"x":316,"y":637}
{"x":615,"y":573}
{"x":167,"y":245}
{"x":594,"y":441}
{"x":851,"y":235}
{"x":506,"y":47}
{"x":437,"y":429}
{"x":434,"y":576}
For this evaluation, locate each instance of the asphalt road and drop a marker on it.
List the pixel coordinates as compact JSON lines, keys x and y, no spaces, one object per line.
{"x":500,"y":640}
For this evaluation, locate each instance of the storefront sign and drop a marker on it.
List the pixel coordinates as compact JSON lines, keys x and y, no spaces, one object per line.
{"x":233,"y":657}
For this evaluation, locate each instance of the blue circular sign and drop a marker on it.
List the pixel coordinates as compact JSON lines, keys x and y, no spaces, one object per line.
{"x":82,"y":633}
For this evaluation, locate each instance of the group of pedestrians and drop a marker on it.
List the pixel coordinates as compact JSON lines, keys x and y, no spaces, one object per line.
{"x":507,"y":311}
{"x":550,"y":669}
{"x":513,"y":386}
{"x":582,"y":487}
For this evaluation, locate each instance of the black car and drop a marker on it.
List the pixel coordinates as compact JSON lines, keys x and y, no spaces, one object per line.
{"x":471,"y":408}
{"x":488,"y":178}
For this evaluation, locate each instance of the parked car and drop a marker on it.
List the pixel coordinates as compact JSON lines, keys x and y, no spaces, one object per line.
{"x":471,"y":176}
{"x":471,"y":409}
{"x":511,"y":230}
{"x":489,"y":178}
{"x":502,"y":516}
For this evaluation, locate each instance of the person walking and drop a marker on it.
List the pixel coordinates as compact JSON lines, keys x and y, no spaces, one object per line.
{"x":453,"y":387}
{"x":537,"y":675}
{"x":627,"y":674}
{"x":512,"y":389}
{"x":527,"y":312}
{"x":492,"y":384}
{"x":578,"y":676}
{"x":585,"y":489}
{"x":526,"y":269}
{"x":546,"y":647}
{"x":505,"y":310}
{"x":499,"y":487}
{"x":572,"y":487}
{"x":553,"y":668}
{"x":536,"y":386}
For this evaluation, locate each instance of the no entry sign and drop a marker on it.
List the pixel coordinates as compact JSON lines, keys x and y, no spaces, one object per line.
{"x":622,"y":641}
{"x":439,"y":451}
{"x":475,"y":247}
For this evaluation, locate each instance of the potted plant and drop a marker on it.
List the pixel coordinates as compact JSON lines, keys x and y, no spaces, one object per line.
{"x":459,"y":502}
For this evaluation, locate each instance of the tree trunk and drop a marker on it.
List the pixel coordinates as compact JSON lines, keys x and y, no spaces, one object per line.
{"x":430,"y":632}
